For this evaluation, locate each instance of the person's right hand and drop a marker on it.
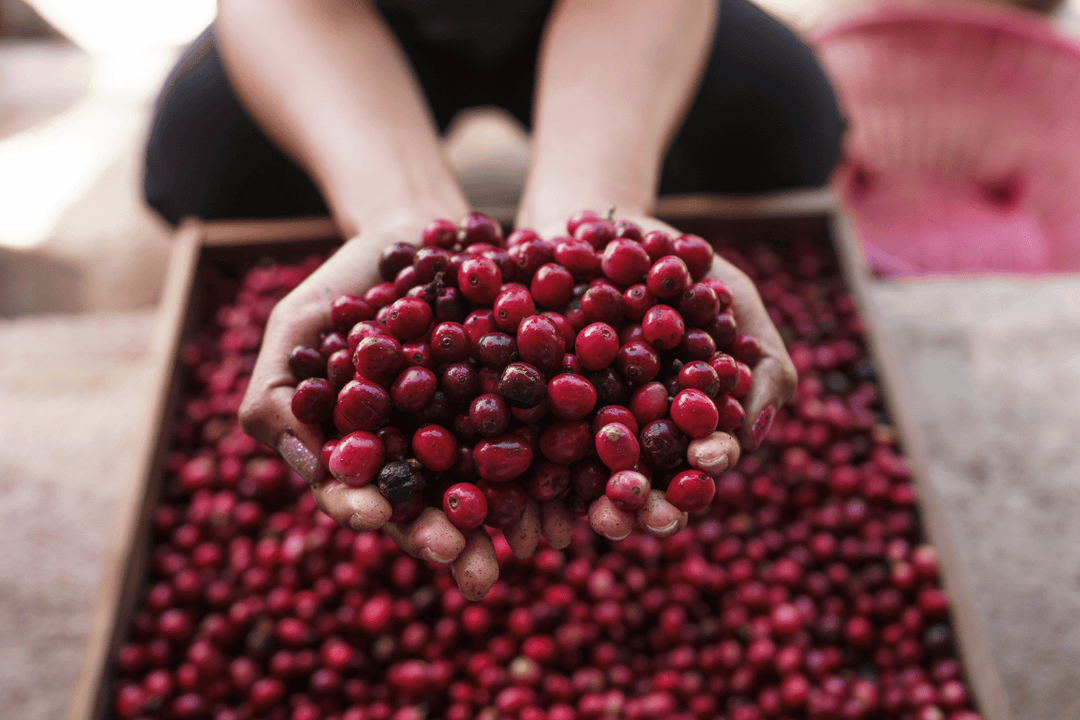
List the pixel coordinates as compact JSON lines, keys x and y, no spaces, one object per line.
{"x":266,"y":415}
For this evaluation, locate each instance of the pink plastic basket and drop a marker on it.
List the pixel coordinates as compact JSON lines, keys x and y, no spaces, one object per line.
{"x":963,"y":147}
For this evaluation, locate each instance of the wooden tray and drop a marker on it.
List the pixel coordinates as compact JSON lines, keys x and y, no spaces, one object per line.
{"x":198,"y":244}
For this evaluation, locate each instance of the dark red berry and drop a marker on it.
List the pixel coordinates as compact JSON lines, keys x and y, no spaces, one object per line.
{"x":503,"y":458}
{"x":506,"y":502}
{"x":348,"y":310}
{"x":460,"y":383}
{"x":489,"y":415}
{"x":663,"y":445}
{"x":668,"y":277}
{"x":450,"y":342}
{"x":409,"y":318}
{"x":479,"y":228}
{"x":307,"y":362}
{"x":495,"y":350}
{"x":435,"y":447}
{"x":414,"y":389}
{"x":540,"y":343}
{"x":361,"y":405}
{"x":570,"y":397}
{"x":730,"y":413}
{"x":313,"y":401}
{"x":699,"y":375}
{"x":399,"y":482}
{"x":394,"y":258}
{"x":547,"y":481}
{"x":479,"y":280}
{"x":602,"y":303}
{"x":378,"y":358}
{"x":566,"y":441}
{"x":522,"y":385}
{"x":638,"y":362}
{"x":440,"y":233}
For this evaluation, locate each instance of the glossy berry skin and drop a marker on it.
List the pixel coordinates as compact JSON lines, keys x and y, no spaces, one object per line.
{"x":339,"y":369}
{"x":479,"y":323}
{"x":313,"y":401}
{"x":529,"y":255}
{"x":577,"y":256}
{"x":638,"y":362}
{"x":597,"y":233}
{"x":615,"y":414}
{"x":357,"y":458}
{"x":566,"y":441}
{"x":723,"y":331}
{"x":695,"y":413}
{"x":746,"y":349}
{"x":727,"y":371}
{"x":699,"y":375}
{"x":495,"y":350}
{"x":618,"y":448}
{"x":696,"y":253}
{"x":448,"y":305}
{"x":602,"y":303}
{"x":579,"y":218}
{"x":746,"y":381}
{"x":547,"y":481}
{"x":570,"y":397}
{"x":409,"y":318}
{"x":506,"y":503}
{"x":540,"y":343}
{"x":361,"y":405}
{"x":696,"y":344}
{"x":460,"y":383}
{"x":450,"y":343}
{"x":435,"y":447}
{"x":489,"y":415}
{"x":479,"y":280}
{"x":663,"y":445}
{"x":512,"y":305}
{"x":628,"y":490}
{"x":698,"y":304}
{"x":624,"y":261}
{"x":465,"y":506}
{"x":414,"y":389}
{"x":691,"y":491}
{"x":502,"y":458}
{"x":418,"y":354}
{"x":637,"y":299}
{"x":522,"y":385}
{"x":658,"y":244}
{"x":668,"y":277}
{"x":395,"y":257}
{"x":649,"y":402}
{"x":596,"y":346}
{"x":306,"y":362}
{"x":440,"y":233}
{"x":378,"y":358}
{"x":347,"y":310}
{"x":479,"y":228}
{"x":663,"y":327}
{"x":552,"y":286}
{"x":730,"y":413}
{"x":429,"y":262}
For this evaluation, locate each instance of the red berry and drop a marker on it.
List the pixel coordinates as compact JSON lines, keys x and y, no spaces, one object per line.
{"x":746,"y":349}
{"x":465,"y":506}
{"x":512,"y":305}
{"x":577,"y":256}
{"x":521,"y":385}
{"x":628,"y":490}
{"x":435,"y":447}
{"x":450,"y":342}
{"x":694,"y":413}
{"x":409,"y":318}
{"x":570,"y":397}
{"x":552,"y":286}
{"x":479,"y":280}
{"x":596,"y":346}
{"x":618,"y":448}
{"x":663,"y":327}
{"x":624,"y":261}
{"x":699,"y":304}
{"x":479,"y":228}
{"x":307,"y":362}
{"x":637,"y":299}
{"x":580,"y":218}
{"x":638,"y":362}
{"x":540,"y":343}
{"x":597,"y":233}
{"x":649,"y":402}
{"x":502,"y":458}
{"x":378,"y":358}
{"x":745,"y":381}
{"x":658,"y":244}
{"x":361,"y":405}
{"x":663,"y":445}
{"x":395,"y":257}
{"x":668,"y":277}
{"x":696,"y":253}
{"x":313,"y":401}
{"x":698,"y":375}
{"x":348,"y":310}
{"x":357,"y":458}
{"x":414,"y":389}
{"x":615,"y":414}
{"x":495,"y":350}
{"x":506,"y":503}
{"x":547,"y":481}
{"x":489,"y":414}
{"x":691,"y":491}
{"x":602,"y":302}
{"x":566,"y":441}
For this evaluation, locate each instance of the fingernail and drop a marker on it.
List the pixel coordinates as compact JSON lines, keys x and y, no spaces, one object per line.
{"x":299,"y":458}
{"x":431,"y":556}
{"x":763,"y":423}
{"x":666,"y":529}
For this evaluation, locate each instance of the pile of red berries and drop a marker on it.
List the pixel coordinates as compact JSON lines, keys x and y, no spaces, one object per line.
{"x":802,"y":591}
{"x":481,"y":372}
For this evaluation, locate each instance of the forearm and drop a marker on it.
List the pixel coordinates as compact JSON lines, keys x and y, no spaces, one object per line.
{"x":328,"y":83}
{"x":614,"y":82}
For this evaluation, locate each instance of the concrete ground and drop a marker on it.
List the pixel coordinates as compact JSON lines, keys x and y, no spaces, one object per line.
{"x":990,"y":367}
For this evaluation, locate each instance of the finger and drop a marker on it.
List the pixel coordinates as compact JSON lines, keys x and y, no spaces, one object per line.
{"x":610,"y":521}
{"x":713,"y":454}
{"x":524,"y":535}
{"x":430,"y":537}
{"x":556,"y":523}
{"x":774,"y":374}
{"x":659,"y":517}
{"x":358,"y":508}
{"x":476,"y":568}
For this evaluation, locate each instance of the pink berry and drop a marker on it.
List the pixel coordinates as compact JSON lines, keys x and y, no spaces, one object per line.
{"x":624,"y":261}
{"x":570,"y":397}
{"x":628,"y":490}
{"x":357,"y":459}
{"x":618,"y":448}
{"x":691,"y":491}
{"x":695,"y":414}
{"x":465,"y":506}
{"x":479,"y":280}
{"x":502,"y":458}
{"x":435,"y":447}
{"x":663,"y":327}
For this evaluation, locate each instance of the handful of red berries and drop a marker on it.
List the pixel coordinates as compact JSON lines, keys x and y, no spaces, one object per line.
{"x":482,"y":372}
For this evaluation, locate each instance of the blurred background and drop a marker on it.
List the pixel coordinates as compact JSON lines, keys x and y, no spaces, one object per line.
{"x":990,"y":359}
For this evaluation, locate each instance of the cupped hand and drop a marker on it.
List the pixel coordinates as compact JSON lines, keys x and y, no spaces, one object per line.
{"x":774,"y":384}
{"x":266,"y":415}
